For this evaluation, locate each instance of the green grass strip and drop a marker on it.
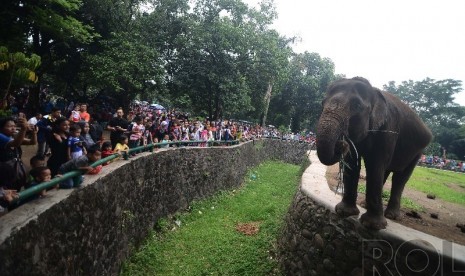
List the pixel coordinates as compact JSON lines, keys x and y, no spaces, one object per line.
{"x":446,"y":185}
{"x":207,"y":242}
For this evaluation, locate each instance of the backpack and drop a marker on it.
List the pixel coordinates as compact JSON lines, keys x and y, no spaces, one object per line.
{"x":227,"y":134}
{"x":130,"y":126}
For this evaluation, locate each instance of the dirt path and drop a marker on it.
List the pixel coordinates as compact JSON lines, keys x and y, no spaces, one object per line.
{"x":444,"y":227}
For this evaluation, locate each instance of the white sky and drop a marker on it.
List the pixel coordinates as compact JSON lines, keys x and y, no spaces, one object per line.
{"x":381,"y":40}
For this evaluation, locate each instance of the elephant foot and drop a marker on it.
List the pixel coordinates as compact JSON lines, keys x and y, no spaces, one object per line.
{"x":393,"y":213}
{"x":346,"y":210}
{"x":373,"y":221}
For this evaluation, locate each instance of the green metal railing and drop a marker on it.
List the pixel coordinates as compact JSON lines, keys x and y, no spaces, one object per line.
{"x":75,"y":175}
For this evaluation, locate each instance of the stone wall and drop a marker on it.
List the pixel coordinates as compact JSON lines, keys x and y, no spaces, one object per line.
{"x":92,"y":229}
{"x":316,"y":241}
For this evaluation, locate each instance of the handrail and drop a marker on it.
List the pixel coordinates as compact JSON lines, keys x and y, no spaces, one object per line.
{"x":74,"y":174}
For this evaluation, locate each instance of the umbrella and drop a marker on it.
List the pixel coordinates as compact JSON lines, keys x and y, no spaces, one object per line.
{"x":157,"y":107}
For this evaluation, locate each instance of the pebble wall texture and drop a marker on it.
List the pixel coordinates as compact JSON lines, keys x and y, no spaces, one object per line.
{"x":92,"y":229}
{"x":316,"y":241}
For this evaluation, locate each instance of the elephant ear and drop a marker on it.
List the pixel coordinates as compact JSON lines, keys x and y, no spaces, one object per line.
{"x":378,"y":114}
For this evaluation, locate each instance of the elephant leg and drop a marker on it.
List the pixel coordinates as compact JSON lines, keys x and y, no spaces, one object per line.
{"x":399,"y":179}
{"x":386,"y":175}
{"x":374,"y":218}
{"x":348,"y":205}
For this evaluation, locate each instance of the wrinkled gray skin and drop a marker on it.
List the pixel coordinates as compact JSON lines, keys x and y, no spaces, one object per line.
{"x":387,"y":134}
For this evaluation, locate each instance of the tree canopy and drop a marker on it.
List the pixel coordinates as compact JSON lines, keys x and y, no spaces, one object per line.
{"x":433,"y":101}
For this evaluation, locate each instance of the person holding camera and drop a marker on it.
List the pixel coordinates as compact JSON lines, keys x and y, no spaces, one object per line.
{"x":10,"y":147}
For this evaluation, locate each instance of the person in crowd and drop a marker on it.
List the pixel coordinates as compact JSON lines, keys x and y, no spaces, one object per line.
{"x":175,"y":131}
{"x":122,"y":145}
{"x":58,"y":145}
{"x":69,"y":108}
{"x":75,"y":114}
{"x":36,"y":161}
{"x":227,"y":133}
{"x":7,"y":196}
{"x":166,"y":139}
{"x":106,"y":151}
{"x":10,"y":147}
{"x":211,"y":130}
{"x":85,"y":116}
{"x":147,"y":134}
{"x":136,"y":133}
{"x":204,"y":136}
{"x":45,"y":131}
{"x":81,"y":163}
{"x":185,"y":136}
{"x":76,"y":146}
{"x":35,"y":119}
{"x":85,"y":135}
{"x":117,"y":126}
{"x":95,"y":129}
{"x":185,"y":127}
{"x":163,"y":127}
{"x":39,"y":175}
{"x":196,"y":131}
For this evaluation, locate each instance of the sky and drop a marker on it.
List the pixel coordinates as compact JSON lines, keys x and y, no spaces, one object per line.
{"x":381,"y":41}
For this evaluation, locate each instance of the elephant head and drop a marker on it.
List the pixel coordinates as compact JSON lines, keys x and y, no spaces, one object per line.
{"x":351,"y":108}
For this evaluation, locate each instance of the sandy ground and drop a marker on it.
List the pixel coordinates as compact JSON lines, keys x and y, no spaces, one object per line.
{"x":444,"y":227}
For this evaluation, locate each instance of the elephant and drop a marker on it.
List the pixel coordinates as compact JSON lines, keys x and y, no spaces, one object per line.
{"x":360,"y":121}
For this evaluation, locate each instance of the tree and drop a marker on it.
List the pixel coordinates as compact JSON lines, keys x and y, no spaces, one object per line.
{"x":16,"y":70}
{"x":49,"y":29}
{"x":300,"y":99}
{"x":433,"y":102}
{"x":208,"y":74}
{"x":126,"y":68}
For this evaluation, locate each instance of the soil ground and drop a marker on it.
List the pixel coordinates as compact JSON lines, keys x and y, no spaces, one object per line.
{"x":444,"y":227}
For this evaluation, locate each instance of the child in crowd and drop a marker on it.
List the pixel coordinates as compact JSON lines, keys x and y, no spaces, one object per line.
{"x":166,"y":139}
{"x":136,"y":133}
{"x":185,"y":136}
{"x":39,"y":175}
{"x":106,"y":151}
{"x":36,"y":161}
{"x":75,"y":114}
{"x":81,"y":163}
{"x":75,"y":145}
{"x":122,"y":145}
{"x":147,"y":134}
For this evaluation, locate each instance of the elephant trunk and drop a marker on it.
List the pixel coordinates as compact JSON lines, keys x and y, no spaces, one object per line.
{"x":328,"y":140}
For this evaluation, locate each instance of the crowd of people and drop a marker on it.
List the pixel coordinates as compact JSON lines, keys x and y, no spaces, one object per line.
{"x":442,"y":163}
{"x":73,"y":139}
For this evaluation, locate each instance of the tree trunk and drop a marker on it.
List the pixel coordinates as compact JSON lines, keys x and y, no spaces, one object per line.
{"x":267,"y":103}
{"x":33,"y":102}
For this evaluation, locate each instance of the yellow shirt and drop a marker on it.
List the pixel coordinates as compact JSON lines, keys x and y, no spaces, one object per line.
{"x":121,"y":147}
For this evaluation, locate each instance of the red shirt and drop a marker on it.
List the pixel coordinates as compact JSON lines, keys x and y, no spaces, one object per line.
{"x":85,"y":116}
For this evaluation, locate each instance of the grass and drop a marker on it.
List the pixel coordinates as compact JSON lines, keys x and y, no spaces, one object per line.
{"x":431,"y":181}
{"x":204,"y":241}
{"x":405,"y":202}
{"x":439,"y":183}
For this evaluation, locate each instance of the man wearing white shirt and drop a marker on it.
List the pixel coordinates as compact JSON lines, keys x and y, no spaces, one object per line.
{"x":33,"y":121}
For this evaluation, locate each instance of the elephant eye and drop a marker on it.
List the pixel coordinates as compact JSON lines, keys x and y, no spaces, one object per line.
{"x":356,"y":106}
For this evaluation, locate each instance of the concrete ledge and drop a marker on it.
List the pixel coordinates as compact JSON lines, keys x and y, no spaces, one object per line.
{"x":318,"y":242}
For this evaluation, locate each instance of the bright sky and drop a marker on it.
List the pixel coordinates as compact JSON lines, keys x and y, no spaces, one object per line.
{"x":381,"y":40}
